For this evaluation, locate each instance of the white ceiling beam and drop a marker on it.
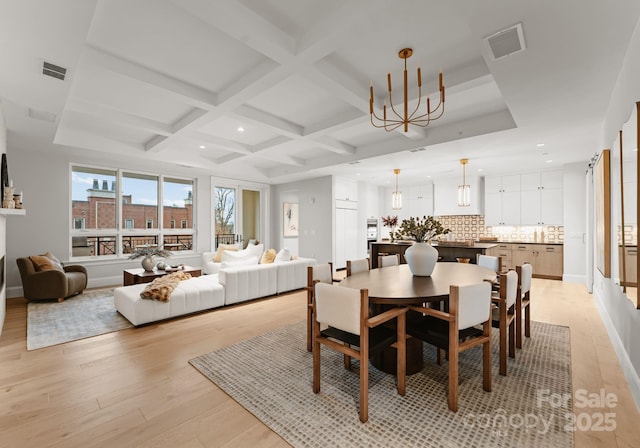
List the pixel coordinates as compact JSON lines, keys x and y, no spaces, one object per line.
{"x":334,"y":145}
{"x":263,"y":118}
{"x":74,"y":137}
{"x":185,"y":92}
{"x":222,"y":143}
{"x":191,"y":117}
{"x":270,"y":144}
{"x":121,"y":118}
{"x":484,"y":124}
{"x":242,"y":24}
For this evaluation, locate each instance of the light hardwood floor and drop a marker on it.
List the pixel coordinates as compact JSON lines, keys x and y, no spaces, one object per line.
{"x":136,"y":388}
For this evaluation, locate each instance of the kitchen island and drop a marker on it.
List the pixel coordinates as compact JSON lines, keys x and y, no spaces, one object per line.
{"x":446,"y":253}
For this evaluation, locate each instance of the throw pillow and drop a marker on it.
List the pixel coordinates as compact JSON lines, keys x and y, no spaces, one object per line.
{"x":241,"y":255}
{"x":46,"y":262}
{"x":255,"y":250}
{"x":268,"y":256}
{"x":283,"y":255}
{"x":221,"y":249}
{"x":232,"y":264}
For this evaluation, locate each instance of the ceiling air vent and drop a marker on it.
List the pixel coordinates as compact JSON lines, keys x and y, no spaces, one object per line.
{"x":417,"y":149}
{"x":506,"y":42}
{"x":41,"y":115}
{"x":55,"y":71}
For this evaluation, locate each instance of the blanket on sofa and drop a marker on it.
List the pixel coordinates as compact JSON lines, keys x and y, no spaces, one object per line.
{"x":161,"y":288}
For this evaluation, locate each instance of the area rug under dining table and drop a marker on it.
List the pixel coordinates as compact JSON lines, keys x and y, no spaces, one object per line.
{"x":271,"y":375}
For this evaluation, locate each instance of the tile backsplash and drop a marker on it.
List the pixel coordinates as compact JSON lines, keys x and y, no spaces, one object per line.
{"x":472,"y":227}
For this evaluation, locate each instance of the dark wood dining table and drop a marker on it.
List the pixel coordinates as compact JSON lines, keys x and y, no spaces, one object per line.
{"x":397,"y":286}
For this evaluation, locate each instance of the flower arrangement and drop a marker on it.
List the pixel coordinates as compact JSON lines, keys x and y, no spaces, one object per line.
{"x":420,"y":229}
{"x":390,"y":221}
{"x":149,"y":251}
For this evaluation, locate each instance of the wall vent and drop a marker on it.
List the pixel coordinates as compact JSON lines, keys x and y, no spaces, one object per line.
{"x":506,"y":42}
{"x":53,"y":70}
{"x":41,"y":115}
{"x":417,"y":149}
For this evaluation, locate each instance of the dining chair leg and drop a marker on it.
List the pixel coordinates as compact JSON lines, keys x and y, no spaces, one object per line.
{"x":503,"y":340}
{"x":309,"y":328}
{"x":453,"y":380}
{"x":486,"y":358}
{"x":401,"y":355}
{"x":364,"y":384}
{"x":316,"y":364}
{"x":518,"y":323}
{"x":347,"y":359}
{"x":439,"y":356}
{"x":512,"y":339}
{"x":527,"y":320}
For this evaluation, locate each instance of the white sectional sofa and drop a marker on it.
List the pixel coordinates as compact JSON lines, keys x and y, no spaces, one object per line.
{"x":195,"y":294}
{"x":233,"y":284}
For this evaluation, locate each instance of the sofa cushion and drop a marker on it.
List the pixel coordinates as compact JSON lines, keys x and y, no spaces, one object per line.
{"x":46,"y":262}
{"x":268,"y":256}
{"x":283,"y":255}
{"x":241,"y":262}
{"x":221,"y":250}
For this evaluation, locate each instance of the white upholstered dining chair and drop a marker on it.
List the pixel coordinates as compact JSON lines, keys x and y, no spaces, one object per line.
{"x":355,"y":266}
{"x":322,"y":273}
{"x":388,"y":260}
{"x":344,"y":315}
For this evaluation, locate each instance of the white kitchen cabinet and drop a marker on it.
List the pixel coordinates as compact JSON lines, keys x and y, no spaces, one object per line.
{"x":418,"y":202}
{"x":346,"y":237}
{"x":502,"y":200}
{"x":445,"y":197}
{"x":541,"y":198}
{"x":345,"y":189}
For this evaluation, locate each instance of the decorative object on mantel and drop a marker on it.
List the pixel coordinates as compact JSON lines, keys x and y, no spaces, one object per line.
{"x":421,"y":257}
{"x":391,"y":222}
{"x":148,"y":253}
{"x":397,"y":120}
{"x":464,"y":190}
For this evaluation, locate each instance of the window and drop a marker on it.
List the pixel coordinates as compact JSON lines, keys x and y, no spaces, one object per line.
{"x":114,"y":211}
{"x":225,"y":209}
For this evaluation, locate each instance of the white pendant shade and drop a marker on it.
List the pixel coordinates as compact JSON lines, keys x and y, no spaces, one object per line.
{"x":464,"y":190}
{"x":396,"y":196}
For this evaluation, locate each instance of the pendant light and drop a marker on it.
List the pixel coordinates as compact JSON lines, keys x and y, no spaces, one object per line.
{"x":396,"y":197}
{"x":464,"y":190}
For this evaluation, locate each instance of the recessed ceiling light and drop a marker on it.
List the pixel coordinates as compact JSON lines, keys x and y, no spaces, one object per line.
{"x":240,"y":129}
{"x":388,"y":182}
{"x":549,"y":161}
{"x":480,"y":169}
{"x":202,"y":146}
{"x":540,"y":145}
{"x":357,"y":174}
{"x":635,"y":150}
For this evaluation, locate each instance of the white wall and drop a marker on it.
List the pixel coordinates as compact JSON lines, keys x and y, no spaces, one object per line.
{"x":621,"y":319}
{"x":43,"y":177}
{"x":574,"y":211}
{"x":3,"y":226}
{"x":315,"y":201}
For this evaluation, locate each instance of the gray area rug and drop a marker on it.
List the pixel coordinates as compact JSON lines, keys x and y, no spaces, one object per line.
{"x":271,"y":375}
{"x":79,"y":317}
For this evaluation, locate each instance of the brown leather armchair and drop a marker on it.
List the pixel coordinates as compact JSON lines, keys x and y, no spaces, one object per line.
{"x":52,"y":283}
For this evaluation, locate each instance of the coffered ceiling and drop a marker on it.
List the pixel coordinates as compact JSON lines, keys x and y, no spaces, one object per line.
{"x":177,"y":80}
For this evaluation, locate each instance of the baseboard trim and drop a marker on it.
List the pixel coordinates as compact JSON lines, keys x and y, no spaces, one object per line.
{"x":633,"y":380}
{"x":571,"y":278}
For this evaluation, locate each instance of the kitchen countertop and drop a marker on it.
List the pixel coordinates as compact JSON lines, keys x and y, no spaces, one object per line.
{"x":528,"y":242}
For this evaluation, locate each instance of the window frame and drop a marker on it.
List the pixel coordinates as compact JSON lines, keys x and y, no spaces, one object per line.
{"x":121,"y":232}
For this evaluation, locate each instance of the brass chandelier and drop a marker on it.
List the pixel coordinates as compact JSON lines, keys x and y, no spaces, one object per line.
{"x":396,"y":120}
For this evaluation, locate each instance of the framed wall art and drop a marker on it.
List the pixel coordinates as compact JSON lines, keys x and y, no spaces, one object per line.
{"x":290,"y":219}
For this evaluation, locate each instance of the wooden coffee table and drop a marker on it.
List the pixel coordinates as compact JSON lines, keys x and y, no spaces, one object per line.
{"x":139,"y":275}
